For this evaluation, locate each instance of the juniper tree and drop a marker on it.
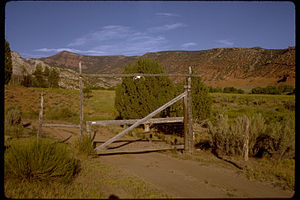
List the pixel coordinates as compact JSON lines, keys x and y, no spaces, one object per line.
{"x":39,"y":79}
{"x":137,"y":97}
{"x":201,"y":101}
{"x":53,"y":78}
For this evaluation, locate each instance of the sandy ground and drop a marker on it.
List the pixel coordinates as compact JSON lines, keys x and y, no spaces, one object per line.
{"x":192,"y":179}
{"x":177,"y":177}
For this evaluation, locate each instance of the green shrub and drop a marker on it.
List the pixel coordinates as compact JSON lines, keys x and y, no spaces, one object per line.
{"x":202,"y":101}
{"x":84,"y":145}
{"x":39,"y":160}
{"x":276,"y":140}
{"x":13,"y":116}
{"x":87,"y":92}
{"x":226,"y":138}
{"x":13,"y":119}
{"x":233,"y":90}
{"x":257,"y":127}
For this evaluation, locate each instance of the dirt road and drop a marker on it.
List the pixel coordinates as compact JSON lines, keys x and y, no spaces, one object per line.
{"x":192,"y":179}
{"x":177,"y":177}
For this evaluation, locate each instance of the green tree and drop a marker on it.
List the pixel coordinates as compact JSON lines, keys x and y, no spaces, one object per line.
{"x":201,"y":99}
{"x":137,"y":97}
{"x":27,"y":81}
{"x":87,"y":92}
{"x":46,"y":71}
{"x":8,"y":63}
{"x":39,"y":79}
{"x":53,"y":78}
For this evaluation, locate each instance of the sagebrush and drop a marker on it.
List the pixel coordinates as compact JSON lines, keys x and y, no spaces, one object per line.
{"x":276,"y":139}
{"x":84,"y":145}
{"x":39,"y":160}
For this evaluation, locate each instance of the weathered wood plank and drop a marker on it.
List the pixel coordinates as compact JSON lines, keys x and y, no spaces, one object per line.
{"x":39,"y":133}
{"x":61,"y":125}
{"x":132,"y":121}
{"x":136,"y":151}
{"x":140,"y":121}
{"x":246,"y":139}
{"x":190,"y":115}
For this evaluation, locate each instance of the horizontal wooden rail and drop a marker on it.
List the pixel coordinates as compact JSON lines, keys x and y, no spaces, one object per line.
{"x":132,"y":121}
{"x":139,"y":74}
{"x":61,"y":125}
{"x":138,"y":151}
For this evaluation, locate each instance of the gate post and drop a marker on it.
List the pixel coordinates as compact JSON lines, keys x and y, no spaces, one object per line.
{"x":41,"y":116}
{"x":81,"y":100}
{"x":188,"y":124}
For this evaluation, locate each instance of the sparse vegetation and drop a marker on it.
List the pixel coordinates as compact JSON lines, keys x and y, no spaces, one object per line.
{"x":276,"y":139}
{"x":84,"y":145}
{"x":13,"y":121}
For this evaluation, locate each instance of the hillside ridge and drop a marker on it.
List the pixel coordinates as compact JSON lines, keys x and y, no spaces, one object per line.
{"x":220,"y":67}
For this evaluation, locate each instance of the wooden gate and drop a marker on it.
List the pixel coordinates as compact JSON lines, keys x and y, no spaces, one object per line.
{"x":187,"y":107}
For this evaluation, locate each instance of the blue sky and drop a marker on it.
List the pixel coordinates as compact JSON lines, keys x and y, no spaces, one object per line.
{"x":40,"y":29}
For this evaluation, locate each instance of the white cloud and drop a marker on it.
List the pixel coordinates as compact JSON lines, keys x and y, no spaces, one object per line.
{"x":114,"y":40}
{"x":189,"y":44}
{"x":105,"y":33}
{"x":166,"y":14}
{"x":167,"y":27}
{"x":225,"y":42}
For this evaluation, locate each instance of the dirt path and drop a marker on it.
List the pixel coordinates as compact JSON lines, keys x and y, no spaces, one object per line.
{"x":192,"y":179}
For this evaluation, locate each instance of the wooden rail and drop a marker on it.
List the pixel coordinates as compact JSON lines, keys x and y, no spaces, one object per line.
{"x":138,"y":151}
{"x":61,"y":125}
{"x":132,"y":121}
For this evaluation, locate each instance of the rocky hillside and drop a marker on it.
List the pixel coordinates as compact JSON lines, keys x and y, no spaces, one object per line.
{"x":240,"y":67}
{"x":90,"y":64}
{"x":68,"y":77}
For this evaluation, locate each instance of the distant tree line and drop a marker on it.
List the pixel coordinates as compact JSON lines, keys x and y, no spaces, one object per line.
{"x":226,"y":90}
{"x":282,"y":89}
{"x":47,"y":78}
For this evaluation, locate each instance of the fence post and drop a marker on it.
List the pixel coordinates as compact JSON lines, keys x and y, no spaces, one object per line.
{"x":246,"y":139}
{"x":188,"y":115}
{"x":185,"y":121}
{"x":81,"y":100}
{"x":41,"y":115}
